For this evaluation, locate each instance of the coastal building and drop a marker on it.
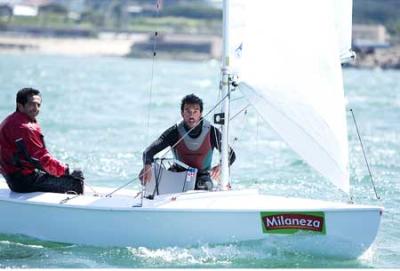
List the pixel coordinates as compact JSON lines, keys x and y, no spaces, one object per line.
{"x":373,"y":48}
{"x":370,"y":37}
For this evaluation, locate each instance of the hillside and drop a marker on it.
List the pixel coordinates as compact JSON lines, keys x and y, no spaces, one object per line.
{"x":384,"y":12}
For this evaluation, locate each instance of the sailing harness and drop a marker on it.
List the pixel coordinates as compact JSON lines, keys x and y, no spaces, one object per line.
{"x":195,"y":151}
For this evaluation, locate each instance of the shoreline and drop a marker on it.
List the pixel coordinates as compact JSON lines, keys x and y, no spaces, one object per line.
{"x":117,"y":45}
{"x":107,"y":45}
{"x":387,"y":59}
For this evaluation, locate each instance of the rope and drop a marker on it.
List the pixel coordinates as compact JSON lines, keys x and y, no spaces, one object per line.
{"x":365,"y":156}
{"x":157,"y":179}
{"x":120,"y":187}
{"x":243,"y":109}
{"x":94,"y":191}
{"x":151,"y":89}
{"x":152,"y":73}
{"x":69,"y":198}
{"x":152,"y":69}
{"x":158,"y":4}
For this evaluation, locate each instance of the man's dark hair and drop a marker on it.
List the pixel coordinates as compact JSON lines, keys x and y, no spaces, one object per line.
{"x":24,"y":94}
{"x":191,"y":99}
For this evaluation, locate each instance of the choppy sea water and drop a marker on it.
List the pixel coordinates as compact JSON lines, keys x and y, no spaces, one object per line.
{"x":100,"y":113}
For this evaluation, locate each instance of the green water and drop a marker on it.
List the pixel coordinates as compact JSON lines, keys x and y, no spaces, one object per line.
{"x":95,"y":115}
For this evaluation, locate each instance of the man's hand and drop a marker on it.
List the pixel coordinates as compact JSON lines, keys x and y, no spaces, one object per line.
{"x":145,"y":174}
{"x":77,"y":174}
{"x":215,"y":172}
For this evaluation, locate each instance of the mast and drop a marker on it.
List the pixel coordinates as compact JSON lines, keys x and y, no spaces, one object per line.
{"x":225,"y":89}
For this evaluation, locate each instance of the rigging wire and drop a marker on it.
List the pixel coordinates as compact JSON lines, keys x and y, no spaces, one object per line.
{"x":365,"y":156}
{"x":158,"y":4}
{"x":243,"y":124}
{"x":240,"y":111}
{"x":91,"y":188}
{"x":152,"y":72}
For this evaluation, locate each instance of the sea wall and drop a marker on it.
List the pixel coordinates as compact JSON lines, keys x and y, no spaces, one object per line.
{"x":385,"y":58}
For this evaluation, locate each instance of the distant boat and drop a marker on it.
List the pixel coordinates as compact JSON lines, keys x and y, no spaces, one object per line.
{"x":287,"y":55}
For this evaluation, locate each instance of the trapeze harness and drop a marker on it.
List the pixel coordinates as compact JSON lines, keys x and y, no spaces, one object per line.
{"x":195,"y":152}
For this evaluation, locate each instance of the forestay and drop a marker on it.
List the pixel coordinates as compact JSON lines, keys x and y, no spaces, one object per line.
{"x":288,"y":62}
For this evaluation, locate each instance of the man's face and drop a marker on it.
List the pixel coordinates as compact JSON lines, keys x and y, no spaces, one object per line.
{"x":32,"y":107}
{"x":191,"y":114}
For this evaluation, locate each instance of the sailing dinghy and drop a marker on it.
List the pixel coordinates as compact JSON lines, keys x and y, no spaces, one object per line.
{"x":285,"y":57}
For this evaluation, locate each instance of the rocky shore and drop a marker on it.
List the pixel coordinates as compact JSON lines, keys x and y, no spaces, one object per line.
{"x":384,"y":58}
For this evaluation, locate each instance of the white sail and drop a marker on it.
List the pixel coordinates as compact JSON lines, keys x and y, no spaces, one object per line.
{"x":342,"y":14}
{"x":290,"y":71}
{"x":343,"y":23}
{"x":237,"y":28}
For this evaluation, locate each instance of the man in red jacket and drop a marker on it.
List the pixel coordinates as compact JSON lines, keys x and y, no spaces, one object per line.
{"x":25,"y":162}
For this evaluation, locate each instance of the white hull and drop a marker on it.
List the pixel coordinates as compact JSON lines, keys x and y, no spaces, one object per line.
{"x":186,"y":219}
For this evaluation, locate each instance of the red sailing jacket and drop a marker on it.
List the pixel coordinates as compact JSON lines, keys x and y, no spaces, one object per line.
{"x":18,"y":125}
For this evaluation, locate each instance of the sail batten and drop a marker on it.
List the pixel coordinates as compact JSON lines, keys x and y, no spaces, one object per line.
{"x":289,"y":68}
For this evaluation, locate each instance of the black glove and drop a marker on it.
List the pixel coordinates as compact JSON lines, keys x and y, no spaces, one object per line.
{"x":66,"y":173}
{"x":77,"y":174}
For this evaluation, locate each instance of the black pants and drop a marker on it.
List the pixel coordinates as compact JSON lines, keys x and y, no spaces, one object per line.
{"x":203,"y":182}
{"x":43,"y":182}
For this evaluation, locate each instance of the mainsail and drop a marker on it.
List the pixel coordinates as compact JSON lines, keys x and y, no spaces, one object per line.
{"x":288,"y":62}
{"x":343,"y":21}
